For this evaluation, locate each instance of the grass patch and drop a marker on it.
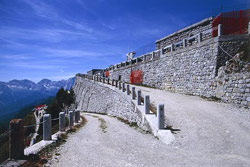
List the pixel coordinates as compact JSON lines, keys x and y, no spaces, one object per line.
{"x":103,"y":125}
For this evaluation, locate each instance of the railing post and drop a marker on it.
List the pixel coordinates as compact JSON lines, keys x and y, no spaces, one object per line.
{"x":133,"y":93}
{"x":144,"y":58}
{"x":147,"y":104}
{"x":123,"y":87}
{"x":120,"y":86}
{"x":219,"y":30}
{"x":160,"y":116}
{"x":16,"y":139}
{"x":71,"y":119}
{"x":116,"y":83}
{"x":77,"y":116}
{"x":61,"y":121}
{"x":128,"y":89}
{"x":139,"y":97}
{"x":184,"y":43}
{"x":199,"y":37}
{"x":47,"y":127}
{"x":248,"y":27}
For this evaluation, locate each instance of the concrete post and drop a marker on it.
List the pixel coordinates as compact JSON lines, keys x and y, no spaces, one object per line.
{"x":103,"y":80}
{"x":116,"y":83}
{"x":61,"y":121}
{"x":77,"y":116}
{"x":144,"y":58}
{"x":136,"y":60}
{"x":128,"y":90}
{"x":133,"y":93}
{"x":153,"y":55}
{"x":172,"y":47}
{"x":108,"y":81}
{"x":147,"y":104}
{"x":123,"y":87}
{"x":16,"y":139}
{"x":219,"y":30}
{"x":47,"y":127}
{"x":160,"y":116}
{"x":120,"y":86}
{"x":184,"y":43}
{"x":139,"y":97}
{"x":113,"y":82}
{"x":249,"y":28}
{"x":199,"y":37}
{"x":71,"y":119}
{"x":162,"y":51}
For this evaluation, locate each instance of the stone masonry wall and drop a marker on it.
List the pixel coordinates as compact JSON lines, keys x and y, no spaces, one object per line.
{"x":193,"y":70}
{"x":93,"y":97}
{"x":190,"y":70}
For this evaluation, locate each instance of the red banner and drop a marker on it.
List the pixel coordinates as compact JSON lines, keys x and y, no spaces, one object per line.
{"x":136,"y":77}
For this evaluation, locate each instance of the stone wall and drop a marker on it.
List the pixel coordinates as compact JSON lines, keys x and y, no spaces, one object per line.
{"x":97,"y":98}
{"x":190,"y":70}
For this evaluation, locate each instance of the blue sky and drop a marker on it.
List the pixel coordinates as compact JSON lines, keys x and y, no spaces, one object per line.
{"x":56,"y":39}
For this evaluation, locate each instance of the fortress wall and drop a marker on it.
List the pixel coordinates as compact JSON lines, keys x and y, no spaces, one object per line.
{"x":97,"y":98}
{"x":190,"y":70}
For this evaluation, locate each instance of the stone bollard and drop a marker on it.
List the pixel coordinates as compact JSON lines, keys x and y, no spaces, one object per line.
{"x":133,"y":93}
{"x":47,"y":127}
{"x":16,"y":139}
{"x":71,"y":119}
{"x":249,"y":28}
{"x":77,"y":116}
{"x":219,"y":30}
{"x":116,"y":83}
{"x":127,"y":89}
{"x":139,"y":97}
{"x":160,"y":116}
{"x":61,"y":121}
{"x":120,"y":85}
{"x":123,"y":87}
{"x":147,"y":104}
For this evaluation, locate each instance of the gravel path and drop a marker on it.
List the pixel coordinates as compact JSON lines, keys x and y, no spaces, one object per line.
{"x":212,"y":134}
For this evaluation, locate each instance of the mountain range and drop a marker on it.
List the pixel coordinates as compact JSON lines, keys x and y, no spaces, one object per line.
{"x":17,"y":94}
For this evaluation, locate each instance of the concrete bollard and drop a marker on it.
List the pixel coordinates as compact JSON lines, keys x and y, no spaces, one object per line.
{"x":123,"y":87}
{"x":147,"y":104}
{"x":133,"y":93}
{"x":103,"y":80}
{"x":160,"y":116}
{"x":219,"y":30}
{"x":120,"y":85}
{"x":77,"y":116}
{"x":249,"y":28}
{"x":61,"y":121}
{"x":127,"y":89}
{"x":16,"y":139}
{"x":116,"y":83}
{"x":71,"y":119}
{"x":139,"y":97}
{"x":47,"y":127}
